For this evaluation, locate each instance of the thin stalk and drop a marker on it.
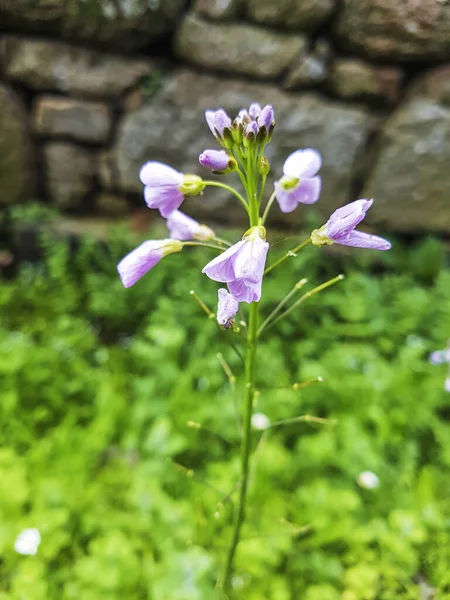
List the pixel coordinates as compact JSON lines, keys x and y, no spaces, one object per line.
{"x":221,"y":241}
{"x":286,"y":299}
{"x":303,"y":419}
{"x":268,"y":207}
{"x":316,"y":290}
{"x":229,"y":189}
{"x":287,"y":255}
{"x":250,"y":362}
{"x":204,"y":244}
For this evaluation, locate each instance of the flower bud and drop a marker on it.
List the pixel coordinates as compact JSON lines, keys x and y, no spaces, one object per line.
{"x":267,"y":118}
{"x":264,"y":166}
{"x":218,"y":160}
{"x":251,"y":132}
{"x":255,"y":110}
{"x":191,"y":185}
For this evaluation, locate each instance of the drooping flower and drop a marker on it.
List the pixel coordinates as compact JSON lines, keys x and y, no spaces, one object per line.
{"x":165,"y":187}
{"x":227,"y":307}
{"x":340,"y":227}
{"x":143,"y":258}
{"x":300,"y":182}
{"x":260,"y":421}
{"x":241,"y":267}
{"x":218,"y":122}
{"x":182,"y":227}
{"x":368,"y":480}
{"x":27,"y":542}
{"x":218,"y":160}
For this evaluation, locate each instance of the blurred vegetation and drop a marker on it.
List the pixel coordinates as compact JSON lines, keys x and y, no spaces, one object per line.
{"x":98,"y":384}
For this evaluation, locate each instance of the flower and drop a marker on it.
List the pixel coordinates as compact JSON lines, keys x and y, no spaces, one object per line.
{"x":241,"y":267}
{"x":439,"y":357}
{"x":368,"y":480}
{"x":218,"y":160}
{"x":267,"y":118}
{"x":218,"y":122}
{"x":254,"y":111}
{"x":300,"y":182}
{"x":260,"y":421}
{"x":27,"y":542}
{"x":182,"y":227}
{"x":165,"y":188}
{"x":143,"y":258}
{"x":340,"y":227}
{"x":226,"y":309}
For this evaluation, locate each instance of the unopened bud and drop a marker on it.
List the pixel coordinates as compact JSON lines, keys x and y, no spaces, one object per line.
{"x":264,"y":166}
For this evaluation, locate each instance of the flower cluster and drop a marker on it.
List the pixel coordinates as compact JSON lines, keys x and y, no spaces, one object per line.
{"x":240,"y":266}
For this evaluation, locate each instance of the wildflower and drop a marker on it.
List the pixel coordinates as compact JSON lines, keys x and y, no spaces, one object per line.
{"x":182,"y":227}
{"x":218,"y":160}
{"x":340,"y":227}
{"x":300,"y":182}
{"x":439,"y":357}
{"x":267,"y":118}
{"x":226,"y":309}
{"x":254,"y":111}
{"x":242,"y":266}
{"x":218,"y":122}
{"x":143,"y":258}
{"x":368,"y":480}
{"x":27,"y":542}
{"x":260,"y":421}
{"x":165,"y":188}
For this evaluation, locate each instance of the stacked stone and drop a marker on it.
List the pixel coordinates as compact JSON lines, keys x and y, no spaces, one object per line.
{"x":84,"y":107}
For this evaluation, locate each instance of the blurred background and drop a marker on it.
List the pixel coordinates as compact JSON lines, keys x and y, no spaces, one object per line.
{"x":98,"y":384}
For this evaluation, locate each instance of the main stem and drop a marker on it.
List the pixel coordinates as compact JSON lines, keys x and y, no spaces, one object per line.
{"x":250,"y":361}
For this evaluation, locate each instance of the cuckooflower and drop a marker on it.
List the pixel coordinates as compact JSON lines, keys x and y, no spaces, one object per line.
{"x":217,"y":160}
{"x":241,"y":267}
{"x":27,"y":542}
{"x":143,"y":258}
{"x":368,"y":480}
{"x":165,"y":188}
{"x":227,"y":307}
{"x":267,"y":118}
{"x":340,"y":227}
{"x":300,"y":182}
{"x":439,"y":357}
{"x":182,"y":227}
{"x":218,"y":122}
{"x":260,"y":421}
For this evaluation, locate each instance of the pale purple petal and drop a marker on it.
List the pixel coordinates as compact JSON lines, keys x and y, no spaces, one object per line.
{"x":252,"y":128}
{"x":250,"y":261}
{"x":245,"y":291}
{"x":182,"y":227}
{"x":302,"y":163}
{"x":218,"y":160}
{"x":156,"y":174}
{"x":447,"y":384}
{"x":267,"y":117}
{"x":306,"y":192}
{"x":358,"y":239}
{"x":227,"y":307}
{"x":210,"y":116}
{"x":139,"y":261}
{"x":222,"y":121}
{"x":255,"y":110}
{"x":221,"y":268}
{"x":346,"y":218}
{"x":165,"y":199}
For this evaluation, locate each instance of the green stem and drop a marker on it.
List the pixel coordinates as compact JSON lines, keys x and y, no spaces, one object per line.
{"x":204,"y":244}
{"x":229,"y":189}
{"x":286,"y":299}
{"x":250,"y":362}
{"x":287,"y":255}
{"x":268,"y":207}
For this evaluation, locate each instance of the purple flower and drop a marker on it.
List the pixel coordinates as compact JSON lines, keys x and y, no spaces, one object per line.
{"x":226,"y":309}
{"x":254,"y":111}
{"x":217,"y":160}
{"x":439,"y":357}
{"x":162,"y":187}
{"x":300,"y":182}
{"x":182,"y":227}
{"x":340,"y":227}
{"x":143,"y":258}
{"x":218,"y":121}
{"x":242,"y":266}
{"x":267,"y":118}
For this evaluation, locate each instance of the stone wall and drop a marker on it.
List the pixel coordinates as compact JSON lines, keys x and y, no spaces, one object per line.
{"x":91,"y":89}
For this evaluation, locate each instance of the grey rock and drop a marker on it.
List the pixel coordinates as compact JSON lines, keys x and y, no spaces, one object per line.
{"x":237,"y":48}
{"x":70,"y":172}
{"x":55,"y":116}
{"x":303,"y":15}
{"x":410,"y":178}
{"x":172,"y":129}
{"x":408,"y":30}
{"x":16,"y":161}
{"x":43,"y":65}
{"x":306,"y":72}
{"x":128,"y":24}
{"x":355,"y":79}
{"x":218,"y":9}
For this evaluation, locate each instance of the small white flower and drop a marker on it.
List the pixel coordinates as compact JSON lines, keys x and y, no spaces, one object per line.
{"x":27,"y":542}
{"x":368,"y":480}
{"x":260,"y":421}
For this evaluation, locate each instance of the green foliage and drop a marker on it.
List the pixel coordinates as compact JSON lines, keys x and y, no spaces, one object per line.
{"x":98,"y":384}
